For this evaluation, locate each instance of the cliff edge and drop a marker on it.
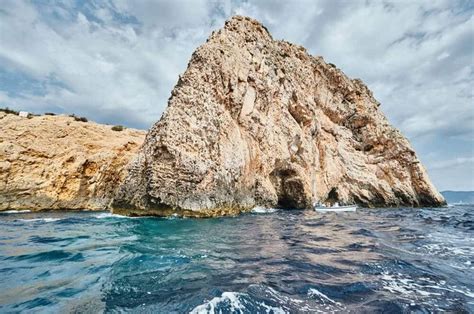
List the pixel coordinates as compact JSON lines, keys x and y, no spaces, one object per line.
{"x":55,"y":162}
{"x":256,"y":121}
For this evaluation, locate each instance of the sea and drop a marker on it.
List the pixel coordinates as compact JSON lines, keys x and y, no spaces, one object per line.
{"x":401,"y":260}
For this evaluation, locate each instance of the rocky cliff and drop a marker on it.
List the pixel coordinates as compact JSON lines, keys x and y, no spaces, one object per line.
{"x":256,"y":121}
{"x":55,"y":162}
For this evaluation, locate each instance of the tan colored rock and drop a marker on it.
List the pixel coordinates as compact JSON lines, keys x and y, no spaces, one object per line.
{"x":255,"y":121}
{"x":54,"y":162}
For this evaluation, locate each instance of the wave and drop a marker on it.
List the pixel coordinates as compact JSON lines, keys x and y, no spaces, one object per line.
{"x":98,"y":216}
{"x":47,"y":219}
{"x":15,"y":211}
{"x":312,"y":292}
{"x":235,"y":302}
{"x":423,"y":287}
{"x":263,"y":210}
{"x":112,"y":215}
{"x":229,"y":299}
{"x":54,"y":255}
{"x":263,"y":299}
{"x":109,"y":215}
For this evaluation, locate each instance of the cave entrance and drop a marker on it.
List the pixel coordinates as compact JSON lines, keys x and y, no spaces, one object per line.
{"x":333,"y":196}
{"x":290,"y":189}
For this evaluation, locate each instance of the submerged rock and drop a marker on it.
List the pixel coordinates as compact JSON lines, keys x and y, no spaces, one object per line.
{"x":256,"y":121}
{"x":56,"y":162}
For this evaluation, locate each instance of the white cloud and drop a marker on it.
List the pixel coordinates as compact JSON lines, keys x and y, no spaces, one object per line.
{"x":460,"y":161}
{"x":117,"y":61}
{"x":103,"y":65}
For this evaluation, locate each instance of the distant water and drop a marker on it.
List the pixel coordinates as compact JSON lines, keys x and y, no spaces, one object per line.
{"x":396,"y":260}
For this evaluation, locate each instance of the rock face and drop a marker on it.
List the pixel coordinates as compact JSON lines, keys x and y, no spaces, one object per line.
{"x":255,"y":121}
{"x":54,"y":162}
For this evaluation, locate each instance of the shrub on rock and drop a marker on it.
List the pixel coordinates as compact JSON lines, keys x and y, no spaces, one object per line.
{"x":117,"y":128}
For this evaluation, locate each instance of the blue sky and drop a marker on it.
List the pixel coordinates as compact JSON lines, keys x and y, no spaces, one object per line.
{"x":117,"y":61}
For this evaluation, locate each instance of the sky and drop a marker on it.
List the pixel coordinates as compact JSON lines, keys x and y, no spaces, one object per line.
{"x":116,"y":62}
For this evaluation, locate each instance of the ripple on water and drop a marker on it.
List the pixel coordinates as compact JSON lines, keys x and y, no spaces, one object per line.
{"x":48,"y":240}
{"x":399,"y":260}
{"x":54,"y":255}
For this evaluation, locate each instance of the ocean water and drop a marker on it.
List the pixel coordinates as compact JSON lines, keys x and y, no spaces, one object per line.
{"x":275,"y":261}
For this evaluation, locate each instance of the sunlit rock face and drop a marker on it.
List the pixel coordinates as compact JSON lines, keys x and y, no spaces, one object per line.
{"x":55,"y":162}
{"x":256,"y":121}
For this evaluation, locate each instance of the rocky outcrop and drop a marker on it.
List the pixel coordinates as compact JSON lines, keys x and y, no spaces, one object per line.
{"x":55,"y":162}
{"x":255,"y":121}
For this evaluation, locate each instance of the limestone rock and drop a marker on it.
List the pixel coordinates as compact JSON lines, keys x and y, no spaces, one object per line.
{"x":54,"y":162}
{"x":256,"y":121}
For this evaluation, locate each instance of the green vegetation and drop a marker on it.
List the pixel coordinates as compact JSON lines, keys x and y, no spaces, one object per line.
{"x":8,"y":110}
{"x":76,"y":118}
{"x":118,"y":128}
{"x":49,"y":114}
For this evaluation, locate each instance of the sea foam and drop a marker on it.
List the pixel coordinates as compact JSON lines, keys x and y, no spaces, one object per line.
{"x":263,"y":210}
{"x":15,"y":211}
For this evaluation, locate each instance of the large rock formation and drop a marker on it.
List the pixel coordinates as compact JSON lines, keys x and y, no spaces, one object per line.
{"x":255,"y":121}
{"x":55,"y":162}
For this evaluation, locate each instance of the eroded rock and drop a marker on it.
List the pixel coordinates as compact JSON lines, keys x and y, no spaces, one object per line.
{"x":55,"y":162}
{"x":256,"y":121}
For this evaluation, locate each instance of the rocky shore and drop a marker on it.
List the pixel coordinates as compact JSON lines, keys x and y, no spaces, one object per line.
{"x":252,"y":122}
{"x":60,"y":162}
{"x":259,"y":122}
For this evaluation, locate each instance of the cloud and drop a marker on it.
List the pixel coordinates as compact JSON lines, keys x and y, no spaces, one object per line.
{"x":461,"y":161}
{"x":454,"y":174}
{"x":117,"y":61}
{"x":97,"y":60}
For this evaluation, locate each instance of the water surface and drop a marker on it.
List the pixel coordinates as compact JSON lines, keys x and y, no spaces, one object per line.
{"x":389,"y":260}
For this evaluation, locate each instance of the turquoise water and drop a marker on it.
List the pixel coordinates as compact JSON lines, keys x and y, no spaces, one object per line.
{"x":390,"y":260}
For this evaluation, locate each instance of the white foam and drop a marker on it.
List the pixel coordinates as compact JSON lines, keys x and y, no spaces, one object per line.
{"x":424,"y":287}
{"x":47,"y":219}
{"x":235,"y":303}
{"x":263,"y":210}
{"x":238,"y":302}
{"x":272,"y":309}
{"x":322,"y":296}
{"x":232,"y":298}
{"x":112,"y":215}
{"x":15,"y":211}
{"x":174,"y":216}
{"x":300,"y":304}
{"x":109,"y":215}
{"x":448,"y":249}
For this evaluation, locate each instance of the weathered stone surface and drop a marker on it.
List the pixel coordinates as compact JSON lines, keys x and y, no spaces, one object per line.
{"x":255,"y":121}
{"x":54,"y":162}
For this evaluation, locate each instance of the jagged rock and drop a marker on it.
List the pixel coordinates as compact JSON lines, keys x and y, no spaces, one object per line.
{"x":255,"y":121}
{"x":55,"y":162}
